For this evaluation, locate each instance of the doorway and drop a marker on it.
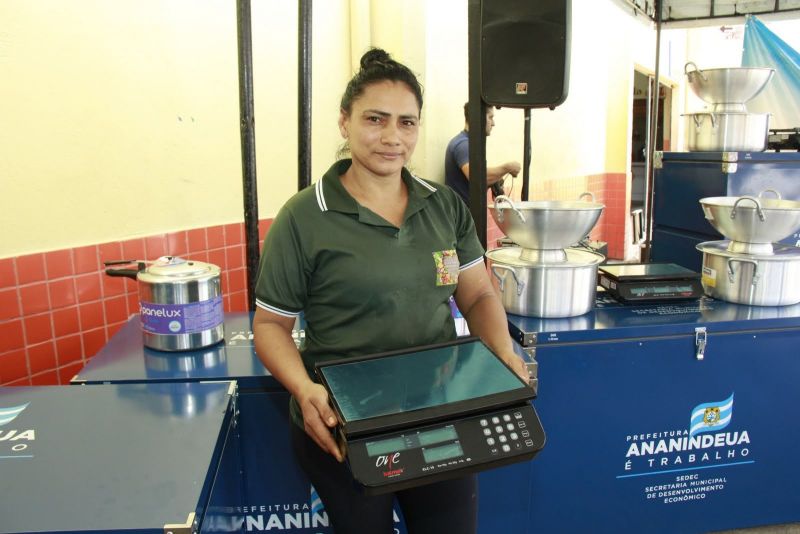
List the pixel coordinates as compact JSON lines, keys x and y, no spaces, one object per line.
{"x":643,"y":91}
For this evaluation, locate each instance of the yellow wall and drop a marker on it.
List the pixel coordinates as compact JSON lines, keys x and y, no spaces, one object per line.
{"x":120,"y":119}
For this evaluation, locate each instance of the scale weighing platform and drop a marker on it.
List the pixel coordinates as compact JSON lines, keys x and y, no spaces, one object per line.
{"x":442,"y":411}
{"x":650,"y":282}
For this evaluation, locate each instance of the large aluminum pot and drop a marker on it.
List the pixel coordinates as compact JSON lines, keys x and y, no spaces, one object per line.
{"x":545,"y":224}
{"x":758,"y":280}
{"x":727,"y":132}
{"x":561,"y":289}
{"x":727,"y":86}
{"x":748,"y":219}
{"x":180,"y":302}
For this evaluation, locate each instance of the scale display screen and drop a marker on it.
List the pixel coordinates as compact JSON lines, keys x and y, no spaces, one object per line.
{"x":412,"y":440}
{"x":655,"y":290}
{"x":437,"y":454}
{"x":414,"y":381}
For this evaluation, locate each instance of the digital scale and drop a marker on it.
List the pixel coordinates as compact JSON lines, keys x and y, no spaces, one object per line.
{"x":442,"y":411}
{"x":650,"y":282}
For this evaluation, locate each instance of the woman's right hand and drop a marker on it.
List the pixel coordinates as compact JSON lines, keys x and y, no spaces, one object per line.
{"x":318,"y":418}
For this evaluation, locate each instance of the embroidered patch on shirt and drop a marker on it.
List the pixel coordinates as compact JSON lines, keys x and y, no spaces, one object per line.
{"x":446,"y":267}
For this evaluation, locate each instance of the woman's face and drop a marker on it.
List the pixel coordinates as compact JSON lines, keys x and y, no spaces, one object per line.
{"x":382,"y":127}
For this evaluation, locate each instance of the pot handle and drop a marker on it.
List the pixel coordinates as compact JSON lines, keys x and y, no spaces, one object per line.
{"x":697,"y":118}
{"x":755,"y":201}
{"x":129,"y":273}
{"x":732,"y":274}
{"x":697,"y":70}
{"x":499,"y":211}
{"x":777,"y":194}
{"x":502,"y":279}
{"x":587,"y":194}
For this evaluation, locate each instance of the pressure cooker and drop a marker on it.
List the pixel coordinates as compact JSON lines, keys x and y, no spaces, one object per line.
{"x":180,"y":302}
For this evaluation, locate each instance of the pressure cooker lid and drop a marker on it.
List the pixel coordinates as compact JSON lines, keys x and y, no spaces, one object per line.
{"x":779,"y":252}
{"x":175,"y":269}
{"x":576,"y":257}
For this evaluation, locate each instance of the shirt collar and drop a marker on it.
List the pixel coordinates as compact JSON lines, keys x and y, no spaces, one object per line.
{"x":332,"y":196}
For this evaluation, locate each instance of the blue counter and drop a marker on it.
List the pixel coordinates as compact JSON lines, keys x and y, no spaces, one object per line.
{"x":117,"y":458}
{"x":617,"y":391}
{"x":618,"y":388}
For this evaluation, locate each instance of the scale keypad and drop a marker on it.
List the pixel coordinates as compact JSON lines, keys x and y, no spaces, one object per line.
{"x":439,"y":450}
{"x":505,"y":432}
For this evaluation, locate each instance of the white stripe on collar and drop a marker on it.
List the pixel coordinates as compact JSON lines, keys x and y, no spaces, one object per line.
{"x":424,"y":183}
{"x":323,"y":206}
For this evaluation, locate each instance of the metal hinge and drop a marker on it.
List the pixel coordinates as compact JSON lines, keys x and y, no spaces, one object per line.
{"x":700,"y":340}
{"x":658,"y":159}
{"x":190,"y":527}
{"x":730,"y":168}
{"x":533,"y":369}
{"x":526,"y":339}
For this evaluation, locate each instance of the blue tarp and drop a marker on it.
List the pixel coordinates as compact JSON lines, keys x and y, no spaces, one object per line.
{"x":781,"y":97}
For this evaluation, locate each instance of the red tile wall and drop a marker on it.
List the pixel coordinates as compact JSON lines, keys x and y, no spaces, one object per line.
{"x":58,"y":308}
{"x":608,"y":189}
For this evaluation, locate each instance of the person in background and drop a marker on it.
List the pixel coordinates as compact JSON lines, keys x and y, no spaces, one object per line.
{"x":456,"y":161}
{"x":370,"y":255}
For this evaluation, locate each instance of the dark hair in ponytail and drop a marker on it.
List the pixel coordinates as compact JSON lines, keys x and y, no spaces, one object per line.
{"x":377,"y":66}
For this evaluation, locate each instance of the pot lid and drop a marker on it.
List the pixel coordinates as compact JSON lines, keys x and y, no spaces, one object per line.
{"x":175,"y":269}
{"x":779,"y":252}
{"x":576,"y":257}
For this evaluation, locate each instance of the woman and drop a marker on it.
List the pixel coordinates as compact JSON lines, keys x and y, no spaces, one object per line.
{"x":371,"y":255}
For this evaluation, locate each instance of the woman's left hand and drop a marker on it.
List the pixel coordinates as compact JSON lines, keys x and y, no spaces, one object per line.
{"x":518,"y":366}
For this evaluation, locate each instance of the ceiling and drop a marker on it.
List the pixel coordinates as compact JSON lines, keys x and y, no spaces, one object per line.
{"x":676,"y":11}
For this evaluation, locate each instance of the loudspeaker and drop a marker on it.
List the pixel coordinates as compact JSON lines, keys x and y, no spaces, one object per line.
{"x":525,"y":52}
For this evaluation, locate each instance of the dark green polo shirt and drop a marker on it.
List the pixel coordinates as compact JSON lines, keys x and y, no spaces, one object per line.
{"x":363,"y":285}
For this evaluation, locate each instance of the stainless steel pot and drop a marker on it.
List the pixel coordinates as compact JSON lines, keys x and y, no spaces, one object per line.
{"x":180,"y":302}
{"x":559,"y":289}
{"x":727,"y":132}
{"x":727,"y":88}
{"x":759,"y":280}
{"x":748,"y":219}
{"x":546,"y":224}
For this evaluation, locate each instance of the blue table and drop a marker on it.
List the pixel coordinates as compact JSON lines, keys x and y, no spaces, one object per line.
{"x":117,"y":458}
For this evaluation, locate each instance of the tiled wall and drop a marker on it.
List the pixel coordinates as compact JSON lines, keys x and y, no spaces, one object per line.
{"x":58,"y":308}
{"x":608,"y":189}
